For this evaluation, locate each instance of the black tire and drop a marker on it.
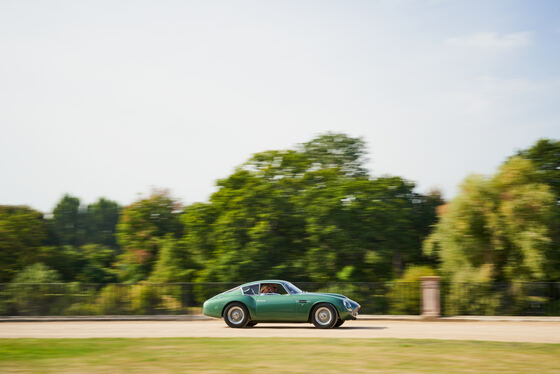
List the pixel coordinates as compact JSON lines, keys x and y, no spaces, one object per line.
{"x":338,"y":323}
{"x":251,"y":324}
{"x":324,"y":316}
{"x":236,"y":315}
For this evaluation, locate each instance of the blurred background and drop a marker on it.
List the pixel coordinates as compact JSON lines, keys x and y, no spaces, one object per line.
{"x":153,"y":155}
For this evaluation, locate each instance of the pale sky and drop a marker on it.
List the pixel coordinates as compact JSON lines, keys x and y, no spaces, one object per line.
{"x":111,"y":98}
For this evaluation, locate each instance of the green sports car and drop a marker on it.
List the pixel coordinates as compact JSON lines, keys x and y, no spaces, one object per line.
{"x":279,"y":301}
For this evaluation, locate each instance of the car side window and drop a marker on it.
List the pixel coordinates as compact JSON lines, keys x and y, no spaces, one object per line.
{"x":252,"y":289}
{"x":272,"y":289}
{"x":281,"y":290}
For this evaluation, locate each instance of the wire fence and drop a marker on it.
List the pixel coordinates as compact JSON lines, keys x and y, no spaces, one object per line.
{"x":66,"y":299}
{"x":516,"y":298}
{"x":50,"y":299}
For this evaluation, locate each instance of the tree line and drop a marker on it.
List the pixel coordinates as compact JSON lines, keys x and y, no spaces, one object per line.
{"x":311,"y":213}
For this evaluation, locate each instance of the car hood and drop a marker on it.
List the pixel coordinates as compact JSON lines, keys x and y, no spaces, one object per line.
{"x":337,"y":295}
{"x":326,"y":294}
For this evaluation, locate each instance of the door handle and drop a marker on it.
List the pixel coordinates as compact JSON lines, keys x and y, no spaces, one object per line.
{"x":303,"y":301}
{"x":261,"y":301}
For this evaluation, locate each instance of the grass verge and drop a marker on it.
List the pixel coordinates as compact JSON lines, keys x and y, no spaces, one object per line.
{"x":271,"y":355}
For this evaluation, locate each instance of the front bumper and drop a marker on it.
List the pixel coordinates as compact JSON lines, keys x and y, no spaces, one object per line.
{"x":349,"y":315}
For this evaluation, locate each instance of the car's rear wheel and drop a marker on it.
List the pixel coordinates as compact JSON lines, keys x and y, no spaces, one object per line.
{"x":338,"y":323}
{"x":324,"y":316}
{"x":236,"y":315}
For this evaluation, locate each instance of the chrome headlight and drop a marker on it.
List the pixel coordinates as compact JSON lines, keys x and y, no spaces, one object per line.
{"x":347,"y":304}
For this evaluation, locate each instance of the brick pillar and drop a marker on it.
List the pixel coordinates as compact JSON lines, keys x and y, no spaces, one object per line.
{"x":430,"y":297}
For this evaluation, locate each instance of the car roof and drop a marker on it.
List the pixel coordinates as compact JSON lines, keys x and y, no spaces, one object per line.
{"x":265,"y":281}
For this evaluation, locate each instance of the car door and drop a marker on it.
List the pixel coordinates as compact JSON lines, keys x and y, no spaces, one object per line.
{"x":276,"y":307}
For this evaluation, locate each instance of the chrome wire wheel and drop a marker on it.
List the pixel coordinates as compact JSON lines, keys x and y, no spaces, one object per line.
{"x":323,"y":316}
{"x":236,"y":315}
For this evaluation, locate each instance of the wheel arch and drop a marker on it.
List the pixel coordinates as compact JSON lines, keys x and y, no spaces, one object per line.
{"x":317,"y":304}
{"x":232,"y":302}
{"x":248,"y":306}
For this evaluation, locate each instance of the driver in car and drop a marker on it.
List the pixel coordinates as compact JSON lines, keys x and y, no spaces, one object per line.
{"x":268,"y":289}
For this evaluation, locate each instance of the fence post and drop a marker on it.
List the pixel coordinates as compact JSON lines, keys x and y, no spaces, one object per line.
{"x":430,"y":297}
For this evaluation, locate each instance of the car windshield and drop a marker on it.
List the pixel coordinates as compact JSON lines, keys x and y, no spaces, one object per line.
{"x":293,"y":290}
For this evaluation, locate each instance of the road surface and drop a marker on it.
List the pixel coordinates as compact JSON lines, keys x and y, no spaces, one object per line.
{"x":538,"y":332}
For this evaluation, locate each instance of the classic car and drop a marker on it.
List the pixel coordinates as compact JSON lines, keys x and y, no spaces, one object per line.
{"x":279,"y":301}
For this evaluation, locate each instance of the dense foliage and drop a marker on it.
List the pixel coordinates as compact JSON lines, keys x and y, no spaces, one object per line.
{"x":312,"y":213}
{"x":22,"y":232}
{"x":504,"y":227}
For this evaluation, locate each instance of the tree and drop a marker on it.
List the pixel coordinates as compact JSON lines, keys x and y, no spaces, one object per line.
{"x":97,"y":264}
{"x":311,"y":213}
{"x":140,"y":232}
{"x":90,"y":263}
{"x":545,"y":156}
{"x":366,"y":227}
{"x":340,"y":151}
{"x":67,"y":260}
{"x":69,"y":221}
{"x":497,"y":229}
{"x":75,"y":225}
{"x":22,"y":232}
{"x":101,"y":221}
{"x":198,"y":219}
{"x":175,"y":262}
{"x":254,"y":229}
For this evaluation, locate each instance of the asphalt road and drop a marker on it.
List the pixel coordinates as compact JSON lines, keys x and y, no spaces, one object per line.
{"x":538,"y":332}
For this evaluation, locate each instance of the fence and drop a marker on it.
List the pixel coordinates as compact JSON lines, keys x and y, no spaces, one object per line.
{"x":179,"y":298}
{"x":187,"y":298}
{"x":517,"y":298}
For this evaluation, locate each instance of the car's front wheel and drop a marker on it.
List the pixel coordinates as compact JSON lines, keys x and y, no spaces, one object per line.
{"x":324,"y":316}
{"x":236,"y":315}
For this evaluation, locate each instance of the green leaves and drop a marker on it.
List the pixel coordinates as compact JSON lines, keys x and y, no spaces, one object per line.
{"x":309,"y":214}
{"x":496,"y":228}
{"x":22,"y":231}
{"x":37,"y":273}
{"x":141,"y":231}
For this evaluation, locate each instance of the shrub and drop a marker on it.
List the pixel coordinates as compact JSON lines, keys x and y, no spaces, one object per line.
{"x":30,"y":292}
{"x":82,"y":309}
{"x":145,"y":299}
{"x":113,"y":299}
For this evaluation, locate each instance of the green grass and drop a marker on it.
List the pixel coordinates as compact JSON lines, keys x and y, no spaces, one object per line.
{"x":272,"y":355}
